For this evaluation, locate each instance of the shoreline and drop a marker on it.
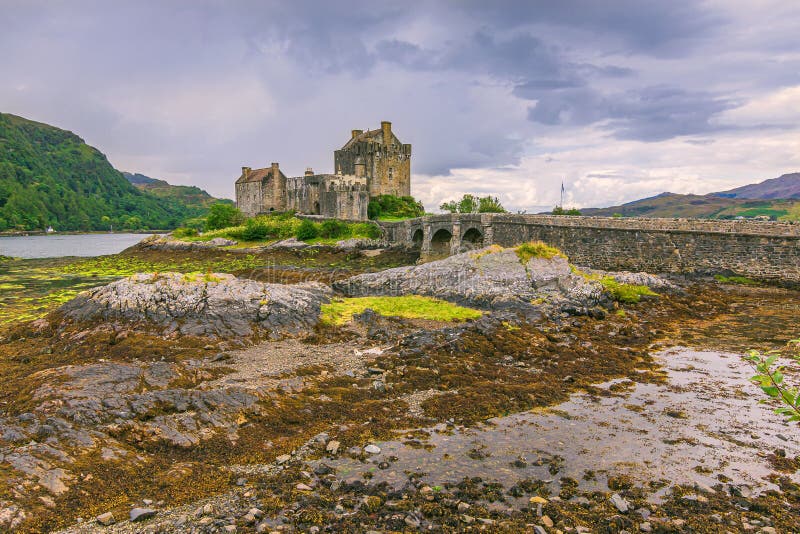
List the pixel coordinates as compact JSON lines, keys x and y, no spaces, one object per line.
{"x":43,"y":233}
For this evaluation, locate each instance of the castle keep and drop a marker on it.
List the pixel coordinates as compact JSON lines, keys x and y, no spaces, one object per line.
{"x":370,"y":164}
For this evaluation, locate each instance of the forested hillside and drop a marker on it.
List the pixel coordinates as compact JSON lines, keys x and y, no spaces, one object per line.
{"x":50,"y":177}
{"x":195,"y":200}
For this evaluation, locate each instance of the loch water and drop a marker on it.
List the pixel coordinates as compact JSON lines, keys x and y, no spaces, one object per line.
{"x":61,"y":245}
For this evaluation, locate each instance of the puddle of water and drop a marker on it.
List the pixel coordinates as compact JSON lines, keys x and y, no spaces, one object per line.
{"x":705,"y":421}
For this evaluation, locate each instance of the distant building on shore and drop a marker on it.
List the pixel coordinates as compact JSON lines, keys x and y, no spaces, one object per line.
{"x":370,"y":164}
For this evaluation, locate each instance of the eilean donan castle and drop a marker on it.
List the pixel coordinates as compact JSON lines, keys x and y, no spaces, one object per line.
{"x":370,"y":164}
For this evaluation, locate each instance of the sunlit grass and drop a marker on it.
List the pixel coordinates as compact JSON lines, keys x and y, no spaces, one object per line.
{"x":341,"y":311}
{"x":626,"y":293}
{"x":537,"y":249}
{"x":741,"y":280}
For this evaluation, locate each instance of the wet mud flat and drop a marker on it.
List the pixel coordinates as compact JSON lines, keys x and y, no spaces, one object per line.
{"x":701,"y":427}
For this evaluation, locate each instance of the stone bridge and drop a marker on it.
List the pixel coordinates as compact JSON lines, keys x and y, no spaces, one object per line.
{"x":758,"y":249}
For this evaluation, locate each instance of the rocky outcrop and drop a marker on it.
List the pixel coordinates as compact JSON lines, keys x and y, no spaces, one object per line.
{"x":168,"y":242}
{"x":197,"y":304}
{"x":491,"y":278}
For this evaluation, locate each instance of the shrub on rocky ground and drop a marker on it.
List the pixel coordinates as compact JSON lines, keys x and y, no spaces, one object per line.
{"x":284,"y":226}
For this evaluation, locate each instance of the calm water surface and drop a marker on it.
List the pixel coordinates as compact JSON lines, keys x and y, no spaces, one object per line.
{"x":54,"y":246}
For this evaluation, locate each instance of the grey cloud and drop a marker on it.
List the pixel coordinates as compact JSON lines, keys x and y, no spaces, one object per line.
{"x":658,"y":113}
{"x":406,"y":54}
{"x":517,"y":57}
{"x":656,"y":28}
{"x":649,"y":114}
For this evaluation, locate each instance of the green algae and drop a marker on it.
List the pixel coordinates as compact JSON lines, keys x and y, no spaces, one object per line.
{"x":126,"y":265}
{"x":32,"y":288}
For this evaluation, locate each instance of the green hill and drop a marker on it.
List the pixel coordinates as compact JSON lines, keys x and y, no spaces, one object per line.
{"x":195,"y":200}
{"x":50,"y":177}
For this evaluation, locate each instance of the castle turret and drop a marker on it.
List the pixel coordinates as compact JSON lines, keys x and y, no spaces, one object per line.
{"x":360,"y":167}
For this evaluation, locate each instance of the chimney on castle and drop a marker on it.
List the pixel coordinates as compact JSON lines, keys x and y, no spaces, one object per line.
{"x":386,"y":127}
{"x":276,"y":173}
{"x":246,"y":172}
{"x":309,"y":171}
{"x":356,"y":133}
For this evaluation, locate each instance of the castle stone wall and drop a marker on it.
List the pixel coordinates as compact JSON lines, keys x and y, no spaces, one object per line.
{"x":249,"y":198}
{"x":340,"y":197}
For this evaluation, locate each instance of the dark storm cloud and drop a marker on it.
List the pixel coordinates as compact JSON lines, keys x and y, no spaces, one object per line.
{"x":657,"y":28}
{"x":647,"y":114}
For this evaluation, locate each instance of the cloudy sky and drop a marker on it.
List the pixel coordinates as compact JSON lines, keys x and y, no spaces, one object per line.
{"x":619,"y":99}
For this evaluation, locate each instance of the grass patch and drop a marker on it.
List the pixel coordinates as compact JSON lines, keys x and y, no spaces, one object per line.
{"x":741,"y":280}
{"x":267,"y":228}
{"x":537,"y":249}
{"x":341,"y":311}
{"x":626,"y":293}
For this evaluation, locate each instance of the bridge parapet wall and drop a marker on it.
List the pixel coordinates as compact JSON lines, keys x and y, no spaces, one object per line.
{"x":757,"y":249}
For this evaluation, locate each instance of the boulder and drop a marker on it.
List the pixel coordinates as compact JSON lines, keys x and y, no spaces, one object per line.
{"x":202,"y":304}
{"x":492,"y":277}
{"x":140,"y":514}
{"x":105,"y":519}
{"x":222,"y":242}
{"x":291,"y":242}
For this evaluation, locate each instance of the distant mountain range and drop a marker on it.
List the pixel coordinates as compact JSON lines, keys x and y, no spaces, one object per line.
{"x":782,"y":187}
{"x":777,"y":198}
{"x":51,"y":177}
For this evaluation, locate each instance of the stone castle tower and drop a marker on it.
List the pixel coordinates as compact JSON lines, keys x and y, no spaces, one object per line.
{"x":379,"y":156}
{"x":370,"y":164}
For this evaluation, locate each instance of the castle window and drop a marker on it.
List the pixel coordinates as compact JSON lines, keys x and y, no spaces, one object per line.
{"x":391,"y":173}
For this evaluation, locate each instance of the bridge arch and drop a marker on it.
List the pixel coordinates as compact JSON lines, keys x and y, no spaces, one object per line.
{"x":440,"y":242}
{"x":417,"y":237}
{"x":471,"y":238}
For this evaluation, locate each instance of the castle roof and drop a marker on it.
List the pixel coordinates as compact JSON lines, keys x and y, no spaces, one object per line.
{"x":257,"y":175}
{"x":376,"y":136}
